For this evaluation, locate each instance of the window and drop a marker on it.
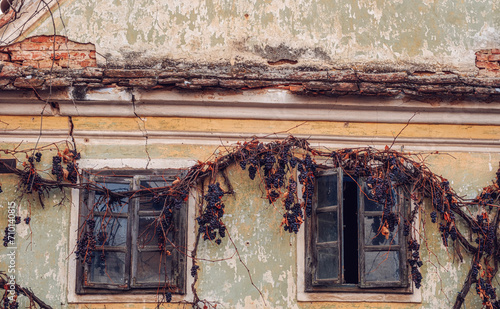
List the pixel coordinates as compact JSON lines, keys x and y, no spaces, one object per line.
{"x":127,"y":257}
{"x":346,"y":249}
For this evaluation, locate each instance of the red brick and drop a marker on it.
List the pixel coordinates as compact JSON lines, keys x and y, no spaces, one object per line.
{"x":92,"y":54}
{"x":4,"y":57}
{"x":170,"y":81}
{"x":296,"y":88}
{"x":260,"y":83}
{"x":394,"y":77}
{"x":482,"y":81}
{"x":11,"y":70}
{"x":142,"y":82}
{"x":88,"y":63}
{"x":312,"y":76}
{"x":487,"y":65}
{"x":22,"y":82}
{"x":482,"y":57}
{"x":342,"y":76}
{"x":48,"y":38}
{"x":47,"y":64}
{"x":58,"y":82}
{"x":318,"y":86}
{"x":205,"y":82}
{"x":4,"y":82}
{"x":434,"y":79}
{"x":345,"y":87}
{"x":92,"y":72}
{"x":495,"y":51}
{"x":129,"y":73}
{"x":31,"y":63}
{"x":39,"y":46}
{"x":15,"y":46}
{"x":494,"y":57}
{"x":432,"y":88}
{"x":372,"y":87}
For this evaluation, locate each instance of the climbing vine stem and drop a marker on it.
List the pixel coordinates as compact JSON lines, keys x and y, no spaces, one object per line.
{"x":280,"y":166}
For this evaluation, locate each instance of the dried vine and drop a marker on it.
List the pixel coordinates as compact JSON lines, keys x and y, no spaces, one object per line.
{"x":275,"y":163}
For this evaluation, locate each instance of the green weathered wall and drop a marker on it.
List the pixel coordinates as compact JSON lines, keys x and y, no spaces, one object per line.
{"x":254,"y":225}
{"x":373,"y":33}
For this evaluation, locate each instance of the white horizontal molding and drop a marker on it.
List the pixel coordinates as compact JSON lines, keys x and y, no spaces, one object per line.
{"x":267,"y":104}
{"x":227,"y":139}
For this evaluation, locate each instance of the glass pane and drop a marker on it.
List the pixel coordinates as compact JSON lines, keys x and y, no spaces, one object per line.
{"x":327,"y":227}
{"x":111,"y":231}
{"x":382,"y":266}
{"x":108,"y":267}
{"x":328,"y":263}
{"x":152,"y":266}
{"x":327,"y":191}
{"x":374,"y":234}
{"x":152,"y":201}
{"x":105,"y":203}
{"x":369,"y":199}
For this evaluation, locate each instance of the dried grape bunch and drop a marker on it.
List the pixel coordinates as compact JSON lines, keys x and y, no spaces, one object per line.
{"x":87,"y":243}
{"x":415,"y":262}
{"x":210,"y":221}
{"x":57,"y":169}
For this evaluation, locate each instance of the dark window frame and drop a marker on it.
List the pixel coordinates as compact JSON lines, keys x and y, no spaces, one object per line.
{"x":312,"y":245}
{"x":133,"y":245}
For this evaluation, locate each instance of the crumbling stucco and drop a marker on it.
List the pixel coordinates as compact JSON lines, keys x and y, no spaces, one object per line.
{"x":372,"y":33}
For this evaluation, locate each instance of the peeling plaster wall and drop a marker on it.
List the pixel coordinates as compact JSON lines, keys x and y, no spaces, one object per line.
{"x":268,"y":251}
{"x":402,"y":34}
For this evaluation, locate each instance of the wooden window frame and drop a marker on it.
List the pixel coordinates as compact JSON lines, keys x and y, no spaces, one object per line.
{"x":134,"y":177}
{"x":312,"y":284}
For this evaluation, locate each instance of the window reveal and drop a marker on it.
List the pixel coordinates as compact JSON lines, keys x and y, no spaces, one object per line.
{"x":127,"y":255}
{"x":347,"y":248}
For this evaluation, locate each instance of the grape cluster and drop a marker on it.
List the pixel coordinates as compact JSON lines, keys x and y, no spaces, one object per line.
{"x":1,"y":189}
{"x":484,"y":288}
{"x":38,"y":156}
{"x":194,"y":270}
{"x":307,"y":178}
{"x":434,"y":216}
{"x":168,"y":297}
{"x":17,"y":219}
{"x":382,"y":193}
{"x":57,"y":169}
{"x":86,"y":244}
{"x":210,"y":221}
{"x":72,"y":169}
{"x":27,"y":220}
{"x":415,"y":262}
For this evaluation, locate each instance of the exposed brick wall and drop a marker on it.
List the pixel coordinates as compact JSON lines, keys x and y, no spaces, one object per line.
{"x":488,"y":61}
{"x":42,"y":52}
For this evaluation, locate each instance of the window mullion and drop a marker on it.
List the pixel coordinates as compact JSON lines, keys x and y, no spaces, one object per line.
{"x":133,"y":235}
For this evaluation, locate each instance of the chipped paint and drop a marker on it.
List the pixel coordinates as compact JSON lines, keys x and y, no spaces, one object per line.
{"x":253,"y":224}
{"x":368,"y":33}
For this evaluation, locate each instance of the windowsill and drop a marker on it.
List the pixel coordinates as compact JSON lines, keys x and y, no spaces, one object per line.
{"x":74,"y":298}
{"x":415,"y":297}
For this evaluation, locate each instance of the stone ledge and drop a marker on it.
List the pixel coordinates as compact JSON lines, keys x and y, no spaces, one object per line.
{"x":321,"y":82}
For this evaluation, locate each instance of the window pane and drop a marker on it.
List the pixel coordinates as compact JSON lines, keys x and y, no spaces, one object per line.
{"x":374,"y":235}
{"x":369,"y":199}
{"x":152,"y":201}
{"x":105,"y":203}
{"x":327,"y":191}
{"x":108,"y":267}
{"x":152,"y":267}
{"x":328,"y":263}
{"x":111,"y":231}
{"x":327,"y":227}
{"x":382,"y":266}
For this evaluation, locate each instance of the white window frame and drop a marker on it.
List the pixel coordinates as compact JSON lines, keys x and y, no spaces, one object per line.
{"x":129,"y":164}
